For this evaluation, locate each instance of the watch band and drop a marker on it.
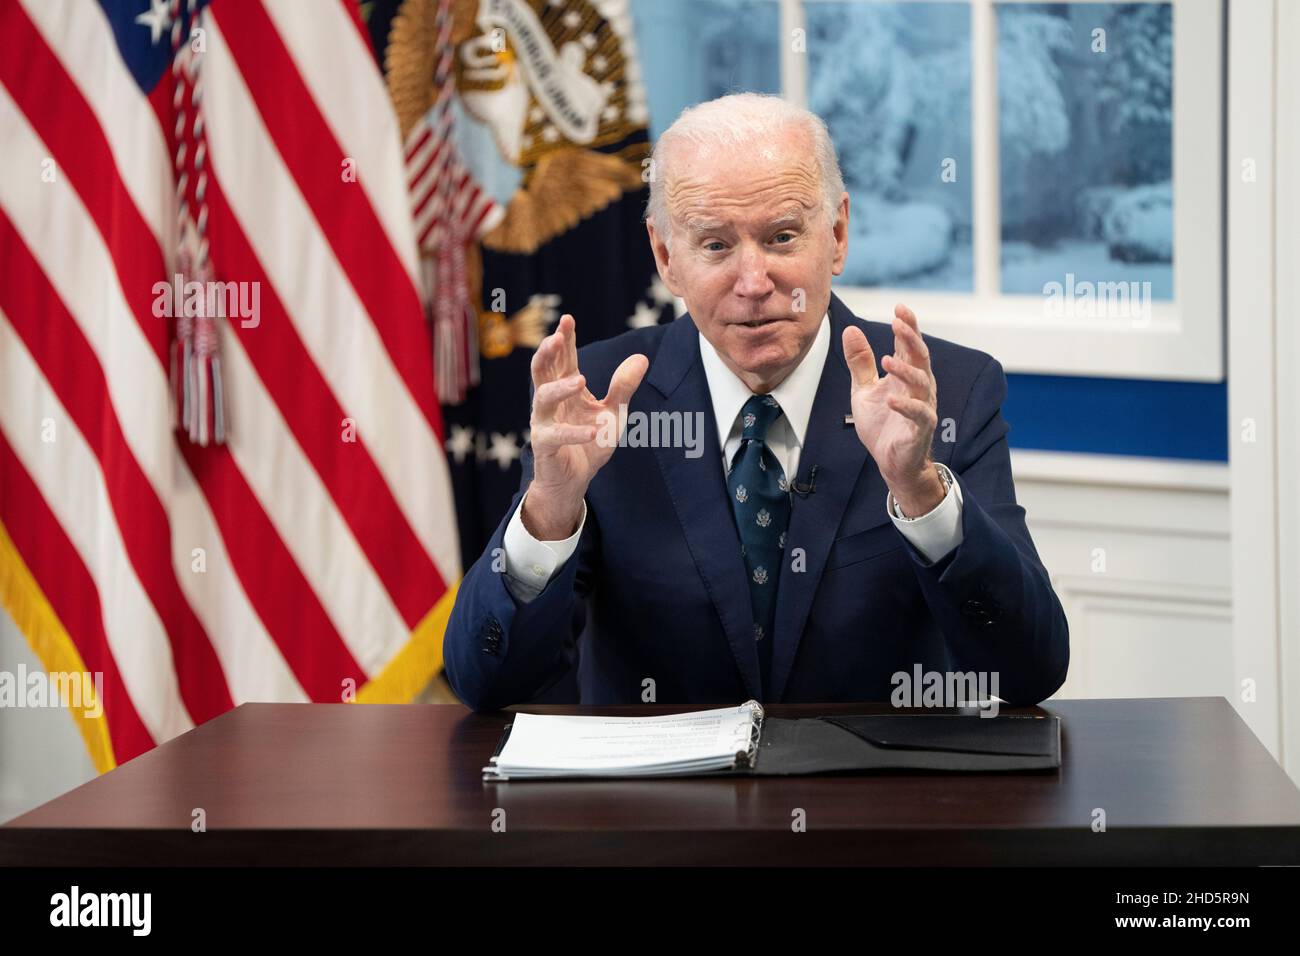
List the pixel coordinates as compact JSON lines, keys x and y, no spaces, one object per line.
{"x":944,"y":475}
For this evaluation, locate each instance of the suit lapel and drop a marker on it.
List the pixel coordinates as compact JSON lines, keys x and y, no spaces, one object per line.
{"x":833,"y":448}
{"x":698,"y":490}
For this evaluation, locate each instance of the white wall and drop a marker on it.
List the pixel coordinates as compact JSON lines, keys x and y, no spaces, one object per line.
{"x":41,"y":753}
{"x":1138,"y":550}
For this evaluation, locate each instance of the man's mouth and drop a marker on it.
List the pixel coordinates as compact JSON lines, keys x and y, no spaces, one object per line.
{"x":759,"y":323}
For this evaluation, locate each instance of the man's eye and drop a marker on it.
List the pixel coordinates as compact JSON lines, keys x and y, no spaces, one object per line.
{"x":787,"y":235}
{"x":710,"y":246}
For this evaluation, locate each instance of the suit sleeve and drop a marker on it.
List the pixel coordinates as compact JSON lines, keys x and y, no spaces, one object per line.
{"x":499,"y":650}
{"x":992,"y":597}
{"x":531,"y":563}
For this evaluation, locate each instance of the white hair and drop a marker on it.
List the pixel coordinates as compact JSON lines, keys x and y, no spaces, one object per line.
{"x":738,"y":120}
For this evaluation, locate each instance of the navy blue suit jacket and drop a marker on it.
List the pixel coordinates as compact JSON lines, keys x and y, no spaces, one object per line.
{"x":657,"y":587}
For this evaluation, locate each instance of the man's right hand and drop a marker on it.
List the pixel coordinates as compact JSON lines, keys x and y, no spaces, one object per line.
{"x":570,"y":431}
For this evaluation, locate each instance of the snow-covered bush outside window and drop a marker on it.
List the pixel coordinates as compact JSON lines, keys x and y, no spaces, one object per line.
{"x":1085,"y":119}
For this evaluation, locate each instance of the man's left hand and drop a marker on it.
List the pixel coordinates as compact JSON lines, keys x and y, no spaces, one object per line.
{"x":895,"y":416}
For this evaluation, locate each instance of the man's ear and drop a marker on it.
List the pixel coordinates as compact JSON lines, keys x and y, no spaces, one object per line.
{"x":840,"y":231}
{"x":663,"y":260}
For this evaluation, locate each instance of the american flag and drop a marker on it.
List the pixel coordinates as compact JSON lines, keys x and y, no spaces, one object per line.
{"x":315,"y":550}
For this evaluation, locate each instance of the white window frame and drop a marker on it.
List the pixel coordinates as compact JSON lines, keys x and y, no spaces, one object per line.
{"x":1184,"y":337}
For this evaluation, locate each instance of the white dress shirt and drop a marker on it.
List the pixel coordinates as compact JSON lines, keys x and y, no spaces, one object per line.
{"x":530,"y":563}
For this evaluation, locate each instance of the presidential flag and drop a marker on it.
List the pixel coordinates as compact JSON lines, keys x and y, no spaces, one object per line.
{"x":527,"y":147}
{"x":221,"y":466}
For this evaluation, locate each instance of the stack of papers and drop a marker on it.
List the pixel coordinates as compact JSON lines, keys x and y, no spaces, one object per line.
{"x":546,"y":745}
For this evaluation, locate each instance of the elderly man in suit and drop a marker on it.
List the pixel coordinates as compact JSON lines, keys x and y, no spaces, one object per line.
{"x":829,"y":544}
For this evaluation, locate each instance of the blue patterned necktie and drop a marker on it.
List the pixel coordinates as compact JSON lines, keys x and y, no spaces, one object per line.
{"x":760,"y":500}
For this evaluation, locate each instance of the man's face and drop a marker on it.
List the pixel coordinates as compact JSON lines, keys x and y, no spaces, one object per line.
{"x":753,"y":253}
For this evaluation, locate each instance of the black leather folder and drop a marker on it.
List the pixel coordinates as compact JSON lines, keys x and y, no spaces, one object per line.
{"x":943,"y":742}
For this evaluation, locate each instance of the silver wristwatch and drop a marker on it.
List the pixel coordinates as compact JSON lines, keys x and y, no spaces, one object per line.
{"x":945,"y":476}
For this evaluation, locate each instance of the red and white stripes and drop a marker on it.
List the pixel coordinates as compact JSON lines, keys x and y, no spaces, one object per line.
{"x":298,"y":558}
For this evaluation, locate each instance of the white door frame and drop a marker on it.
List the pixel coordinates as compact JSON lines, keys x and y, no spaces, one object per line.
{"x":1263,"y":263}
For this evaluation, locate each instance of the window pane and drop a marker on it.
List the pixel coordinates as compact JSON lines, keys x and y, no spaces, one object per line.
{"x":696,"y":50}
{"x":1085,"y":131}
{"x":892,"y":81}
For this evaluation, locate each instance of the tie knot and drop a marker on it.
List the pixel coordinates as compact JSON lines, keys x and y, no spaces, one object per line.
{"x":757,"y":415}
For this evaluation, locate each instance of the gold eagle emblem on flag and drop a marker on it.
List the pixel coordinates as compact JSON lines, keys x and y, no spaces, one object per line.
{"x":553,"y":86}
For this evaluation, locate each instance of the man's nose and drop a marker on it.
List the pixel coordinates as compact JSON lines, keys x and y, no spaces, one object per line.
{"x":753,"y":280}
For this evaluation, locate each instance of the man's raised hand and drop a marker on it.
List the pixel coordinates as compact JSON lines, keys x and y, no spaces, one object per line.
{"x":570,"y":431}
{"x":895,"y":416}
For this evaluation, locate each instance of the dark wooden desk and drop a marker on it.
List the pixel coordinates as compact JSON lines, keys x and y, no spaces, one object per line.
{"x":1182,"y":782}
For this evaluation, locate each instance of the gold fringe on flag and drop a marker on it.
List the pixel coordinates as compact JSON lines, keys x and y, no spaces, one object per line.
{"x":418,"y":662}
{"x":52,"y":645}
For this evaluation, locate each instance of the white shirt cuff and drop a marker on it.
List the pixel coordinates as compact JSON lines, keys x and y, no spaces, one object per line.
{"x":938,"y":532}
{"x":530,"y":563}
